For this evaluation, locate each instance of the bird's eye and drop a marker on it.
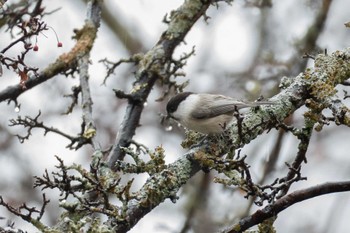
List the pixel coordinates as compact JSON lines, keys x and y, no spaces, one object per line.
{"x":171,"y":108}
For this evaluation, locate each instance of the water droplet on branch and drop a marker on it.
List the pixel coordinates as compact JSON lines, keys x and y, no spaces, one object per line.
{"x":169,"y":128}
{"x":17,"y":108}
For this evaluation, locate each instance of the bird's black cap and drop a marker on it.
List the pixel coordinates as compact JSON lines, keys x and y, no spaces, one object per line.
{"x":174,"y":102}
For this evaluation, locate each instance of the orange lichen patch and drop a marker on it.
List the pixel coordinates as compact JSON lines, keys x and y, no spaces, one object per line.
{"x":86,"y":37}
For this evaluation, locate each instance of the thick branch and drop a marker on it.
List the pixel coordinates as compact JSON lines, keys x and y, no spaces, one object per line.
{"x":152,"y":67}
{"x":287,"y":201}
{"x":86,"y":102}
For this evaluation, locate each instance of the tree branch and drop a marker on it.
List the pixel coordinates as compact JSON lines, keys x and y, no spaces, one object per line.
{"x":294,"y":169}
{"x":67,"y":61}
{"x":285,"y":202}
{"x":86,"y":103}
{"x":152,"y":67}
{"x":166,"y":183}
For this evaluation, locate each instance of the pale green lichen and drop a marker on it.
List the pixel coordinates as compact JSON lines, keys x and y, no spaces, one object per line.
{"x":182,"y":18}
{"x":89,"y":133}
{"x":285,"y":82}
{"x":150,"y":62}
{"x":267,"y":226}
{"x":329,"y":71}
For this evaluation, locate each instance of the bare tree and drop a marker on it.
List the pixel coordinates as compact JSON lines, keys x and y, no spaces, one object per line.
{"x":105,"y":195}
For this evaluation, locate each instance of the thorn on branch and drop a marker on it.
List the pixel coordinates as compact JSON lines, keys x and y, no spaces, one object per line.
{"x":206,"y":17}
{"x":308,"y":56}
{"x":122,"y":95}
{"x":165,"y":19}
{"x":131,"y":98}
{"x":74,"y":96}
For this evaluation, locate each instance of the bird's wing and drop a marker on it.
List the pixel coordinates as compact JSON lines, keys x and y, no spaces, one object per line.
{"x":215,"y":105}
{"x":208,"y":112}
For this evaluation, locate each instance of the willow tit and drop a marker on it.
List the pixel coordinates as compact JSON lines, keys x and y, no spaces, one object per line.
{"x":206,"y":113}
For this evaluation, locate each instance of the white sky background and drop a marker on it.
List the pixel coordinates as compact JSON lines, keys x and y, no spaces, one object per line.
{"x":225,"y":46}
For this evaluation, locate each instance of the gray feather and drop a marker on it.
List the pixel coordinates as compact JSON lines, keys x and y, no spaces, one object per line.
{"x":223,"y":105}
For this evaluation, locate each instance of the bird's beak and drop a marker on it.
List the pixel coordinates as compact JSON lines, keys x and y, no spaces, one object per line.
{"x":171,"y":117}
{"x":165,"y":118}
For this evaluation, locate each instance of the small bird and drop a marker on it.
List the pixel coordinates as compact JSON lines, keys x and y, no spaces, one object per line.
{"x":206,"y":113}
